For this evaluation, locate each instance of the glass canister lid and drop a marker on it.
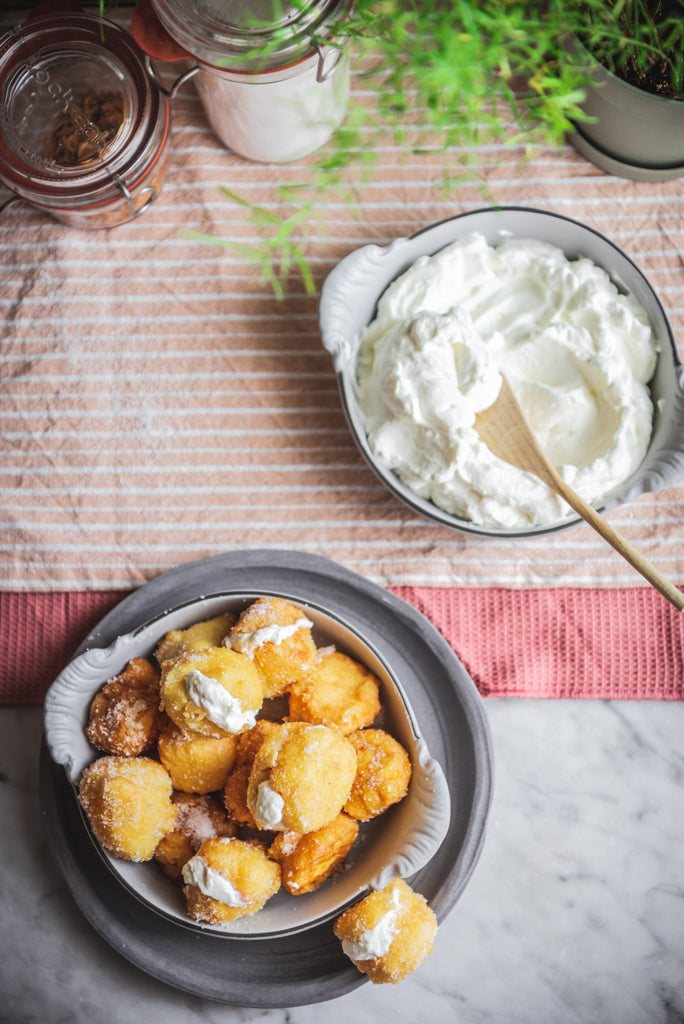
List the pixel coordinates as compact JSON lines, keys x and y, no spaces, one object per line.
{"x":250,"y":35}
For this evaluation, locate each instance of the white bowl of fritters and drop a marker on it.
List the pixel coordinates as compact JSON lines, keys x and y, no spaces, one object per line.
{"x":398,"y":843}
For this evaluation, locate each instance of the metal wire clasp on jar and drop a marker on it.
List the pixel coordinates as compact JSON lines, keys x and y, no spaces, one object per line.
{"x":272,"y":77}
{"x":85,"y":134}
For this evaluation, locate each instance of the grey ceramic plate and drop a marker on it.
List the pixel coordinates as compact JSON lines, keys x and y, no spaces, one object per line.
{"x":352,"y":289}
{"x":306,"y":967}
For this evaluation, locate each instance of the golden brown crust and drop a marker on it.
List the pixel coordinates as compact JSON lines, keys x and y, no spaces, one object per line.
{"x":338,"y":692}
{"x":127,"y":801}
{"x":124,"y":715}
{"x":207,"y":633}
{"x":310,"y":767}
{"x":382,"y":776}
{"x":309,"y":860}
{"x":412,"y":931}
{"x":234,"y":672}
{"x":235,"y":792}
{"x":200,"y":817}
{"x":280,"y":664}
{"x":196,"y":764}
{"x":248,"y":869}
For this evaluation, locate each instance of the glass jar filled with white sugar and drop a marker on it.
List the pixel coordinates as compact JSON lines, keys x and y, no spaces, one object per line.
{"x":272,"y":75}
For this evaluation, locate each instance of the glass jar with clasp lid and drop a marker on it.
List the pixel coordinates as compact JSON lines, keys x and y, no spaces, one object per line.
{"x":85,"y":133}
{"x":272,"y":75}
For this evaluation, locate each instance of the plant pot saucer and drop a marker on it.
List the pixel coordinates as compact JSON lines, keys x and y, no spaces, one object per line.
{"x":612,"y":165}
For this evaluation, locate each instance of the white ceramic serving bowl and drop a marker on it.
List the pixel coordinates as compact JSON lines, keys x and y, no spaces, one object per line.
{"x":348,"y":304}
{"x":397,"y":844}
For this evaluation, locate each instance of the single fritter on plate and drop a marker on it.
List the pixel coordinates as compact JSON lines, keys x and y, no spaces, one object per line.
{"x":229,"y":878}
{"x":213,"y":691}
{"x":127,"y":801}
{"x":196,"y":763}
{"x":207,"y":633}
{"x":124,"y":714}
{"x":200,"y":817}
{"x":309,"y":860}
{"x":383,"y":773}
{"x":301,"y":777}
{"x":338,"y":691}
{"x":276,"y":635}
{"x":388,"y":933}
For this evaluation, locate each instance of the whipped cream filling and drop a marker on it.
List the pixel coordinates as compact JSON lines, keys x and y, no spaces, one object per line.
{"x":220,"y":706}
{"x":375,"y":942}
{"x":268,"y":811}
{"x":211,"y":882}
{"x":248,"y":643}
{"x":577,"y":352}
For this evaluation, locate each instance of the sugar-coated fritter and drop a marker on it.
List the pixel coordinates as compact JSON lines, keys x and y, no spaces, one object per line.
{"x":235,"y":792}
{"x":382,"y":776}
{"x":124,"y":715}
{"x":306,"y":861}
{"x":127,"y":801}
{"x":214,"y":691}
{"x":207,"y":633}
{"x":196,"y":763}
{"x":338,"y":691}
{"x":276,"y":635}
{"x":200,"y":817}
{"x":227,"y":879}
{"x":301,"y":777}
{"x":388,"y":933}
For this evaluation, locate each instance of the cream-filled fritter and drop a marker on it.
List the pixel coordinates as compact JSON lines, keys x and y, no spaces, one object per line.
{"x":214,"y":691}
{"x":301,"y":777}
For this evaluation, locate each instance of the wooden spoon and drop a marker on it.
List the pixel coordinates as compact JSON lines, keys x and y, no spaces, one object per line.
{"x":504,"y":430}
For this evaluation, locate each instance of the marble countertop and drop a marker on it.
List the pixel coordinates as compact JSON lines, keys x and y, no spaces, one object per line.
{"x":575,"y":912}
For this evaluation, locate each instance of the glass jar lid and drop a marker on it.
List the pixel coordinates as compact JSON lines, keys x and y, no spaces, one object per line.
{"x":250,"y":35}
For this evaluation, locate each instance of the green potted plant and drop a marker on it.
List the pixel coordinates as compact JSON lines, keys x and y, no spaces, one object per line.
{"x":634,"y":105}
{"x":608,"y":73}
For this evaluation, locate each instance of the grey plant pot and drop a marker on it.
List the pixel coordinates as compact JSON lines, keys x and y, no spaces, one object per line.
{"x":633,"y":133}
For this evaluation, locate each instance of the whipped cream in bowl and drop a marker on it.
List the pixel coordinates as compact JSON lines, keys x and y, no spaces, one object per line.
{"x":422,"y":331}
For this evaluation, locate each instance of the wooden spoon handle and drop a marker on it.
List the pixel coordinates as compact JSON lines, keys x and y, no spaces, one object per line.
{"x":622,"y":546}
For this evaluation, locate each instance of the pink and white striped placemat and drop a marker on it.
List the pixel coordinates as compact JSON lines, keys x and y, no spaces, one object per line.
{"x":158,"y":404}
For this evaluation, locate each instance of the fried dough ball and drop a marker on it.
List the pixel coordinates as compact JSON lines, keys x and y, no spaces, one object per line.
{"x":235,"y":793}
{"x":309,"y":860}
{"x":338,"y":691}
{"x":301,"y":777}
{"x":382,"y":776}
{"x":388,"y":933}
{"x":208,"y":633}
{"x":277,"y":636}
{"x":200,"y":817}
{"x":124,"y":715}
{"x":196,"y":763}
{"x":229,"y":878}
{"x":127,"y":801}
{"x":213,"y":691}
